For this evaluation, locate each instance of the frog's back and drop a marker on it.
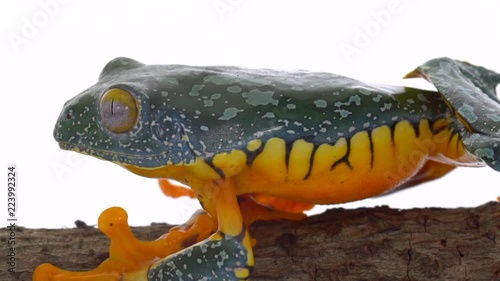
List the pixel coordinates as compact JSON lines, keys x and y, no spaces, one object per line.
{"x":224,"y":108}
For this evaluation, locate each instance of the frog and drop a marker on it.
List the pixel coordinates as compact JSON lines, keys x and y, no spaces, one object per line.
{"x":263,"y":144}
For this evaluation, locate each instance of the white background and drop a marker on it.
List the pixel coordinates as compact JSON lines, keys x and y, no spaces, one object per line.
{"x":51,"y":52}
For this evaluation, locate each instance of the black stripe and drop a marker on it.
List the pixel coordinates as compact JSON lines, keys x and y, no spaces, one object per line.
{"x":345,"y":158}
{"x":217,"y":170}
{"x":450,"y":138}
{"x":251,"y":155}
{"x":288,"y":150}
{"x":438,"y":130}
{"x":371,"y":149}
{"x":311,"y":162}
{"x":459,"y":140}
{"x":416,"y":127}
{"x":393,"y":133}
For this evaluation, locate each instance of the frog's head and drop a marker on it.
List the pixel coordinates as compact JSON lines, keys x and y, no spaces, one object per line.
{"x":121,"y":119}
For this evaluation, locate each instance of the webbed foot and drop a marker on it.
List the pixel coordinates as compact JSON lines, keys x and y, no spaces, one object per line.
{"x":226,"y":255}
{"x":129,"y":257}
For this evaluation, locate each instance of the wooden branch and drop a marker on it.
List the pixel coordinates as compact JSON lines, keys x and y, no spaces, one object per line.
{"x":362,"y":244}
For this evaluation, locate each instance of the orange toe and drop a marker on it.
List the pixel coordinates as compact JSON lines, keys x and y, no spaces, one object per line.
{"x":174,"y":190}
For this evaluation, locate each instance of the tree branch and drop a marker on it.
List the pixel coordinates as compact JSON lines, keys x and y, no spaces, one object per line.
{"x":363,"y":244}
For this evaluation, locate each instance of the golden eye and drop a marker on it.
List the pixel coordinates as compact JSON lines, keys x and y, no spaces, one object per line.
{"x":119,"y":110}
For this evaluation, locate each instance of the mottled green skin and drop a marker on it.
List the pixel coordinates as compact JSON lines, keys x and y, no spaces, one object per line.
{"x":211,"y":260}
{"x":471,"y":93}
{"x":223,"y":108}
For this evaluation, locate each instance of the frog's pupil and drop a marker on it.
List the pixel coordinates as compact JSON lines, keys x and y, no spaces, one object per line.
{"x":112,"y":102}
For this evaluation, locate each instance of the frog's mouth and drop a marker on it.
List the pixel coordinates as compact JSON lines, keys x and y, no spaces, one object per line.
{"x":120,"y":158}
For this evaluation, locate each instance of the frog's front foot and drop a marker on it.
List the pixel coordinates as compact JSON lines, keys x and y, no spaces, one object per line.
{"x":221,"y":257}
{"x":130,"y":258}
{"x":227,"y":254}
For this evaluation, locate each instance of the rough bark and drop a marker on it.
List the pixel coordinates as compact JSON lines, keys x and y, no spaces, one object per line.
{"x":362,"y":244}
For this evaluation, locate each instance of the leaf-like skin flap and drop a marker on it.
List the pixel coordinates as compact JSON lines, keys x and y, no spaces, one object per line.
{"x":470,"y":93}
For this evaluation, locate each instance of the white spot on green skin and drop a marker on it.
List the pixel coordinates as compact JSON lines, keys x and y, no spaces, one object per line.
{"x":195,"y":90}
{"x":291,"y":106}
{"x":215,"y":96}
{"x":219,"y":80}
{"x":256,"y":97}
{"x":485,"y":153}
{"x":422,"y":98}
{"x":387,"y":106}
{"x":269,"y":115}
{"x":204,"y":128}
{"x":171,"y":80}
{"x":356,"y":99}
{"x":467,"y":112}
{"x":364,"y":92}
{"x":343,"y":113}
{"x":234,"y":89}
{"x":296,"y":88}
{"x":377,"y":98}
{"x":320,"y":103}
{"x":208,"y":103}
{"x":229,"y":113}
{"x":494,"y":117}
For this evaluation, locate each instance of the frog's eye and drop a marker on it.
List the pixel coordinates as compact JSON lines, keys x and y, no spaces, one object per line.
{"x":119,"y":110}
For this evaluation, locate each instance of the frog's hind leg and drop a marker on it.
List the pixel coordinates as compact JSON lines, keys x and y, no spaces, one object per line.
{"x":281,"y":204}
{"x":226,"y":255}
{"x":430,"y":171}
{"x":470,"y":93}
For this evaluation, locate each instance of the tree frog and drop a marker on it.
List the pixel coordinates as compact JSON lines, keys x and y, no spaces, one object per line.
{"x":265,"y":144}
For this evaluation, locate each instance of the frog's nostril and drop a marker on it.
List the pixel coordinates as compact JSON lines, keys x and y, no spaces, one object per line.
{"x":68,"y":116}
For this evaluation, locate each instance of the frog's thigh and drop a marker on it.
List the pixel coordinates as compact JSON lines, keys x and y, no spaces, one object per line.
{"x":281,"y":204}
{"x":430,"y":171}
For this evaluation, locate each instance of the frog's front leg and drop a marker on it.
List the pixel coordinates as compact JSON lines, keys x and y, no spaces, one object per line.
{"x":129,"y":257}
{"x":226,"y":255}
